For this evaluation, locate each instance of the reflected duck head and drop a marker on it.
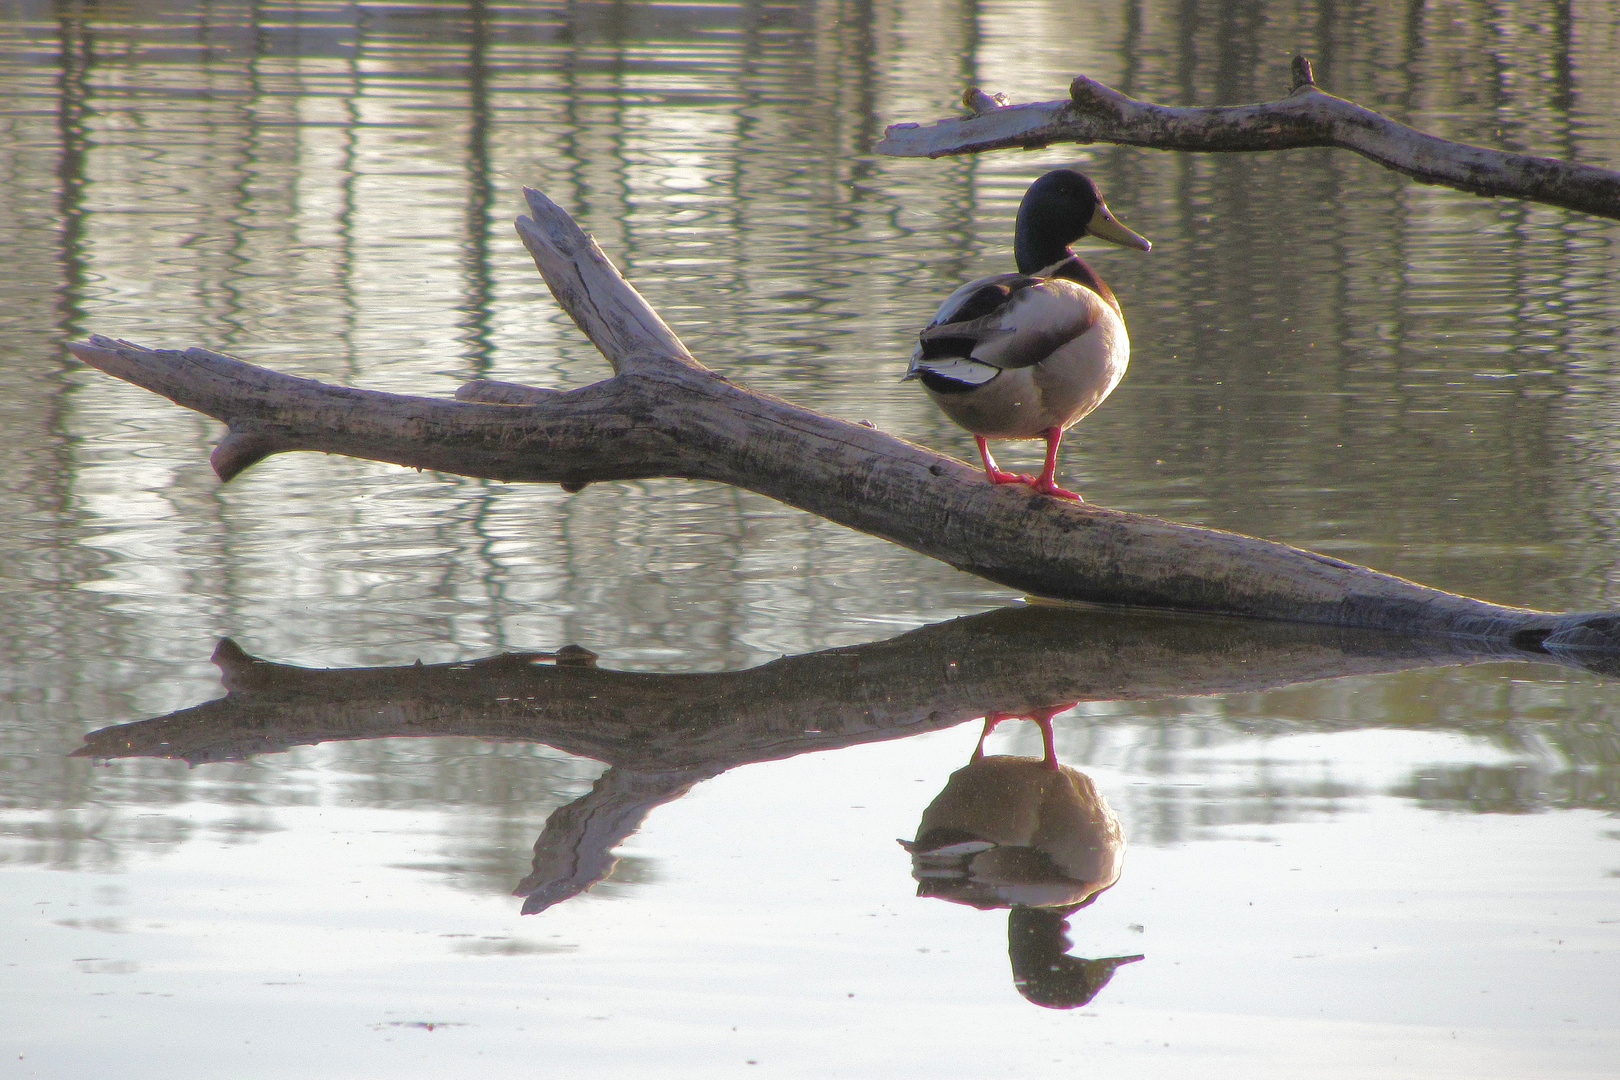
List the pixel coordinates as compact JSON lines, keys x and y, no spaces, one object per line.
{"x":1038,"y":943}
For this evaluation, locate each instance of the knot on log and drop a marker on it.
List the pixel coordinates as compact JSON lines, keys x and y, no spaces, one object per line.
{"x":978,"y":102}
{"x":1302,"y":75}
{"x":1091,"y":93}
{"x":495,"y":392}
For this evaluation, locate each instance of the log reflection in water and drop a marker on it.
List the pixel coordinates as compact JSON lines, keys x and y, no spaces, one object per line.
{"x":660,"y":734}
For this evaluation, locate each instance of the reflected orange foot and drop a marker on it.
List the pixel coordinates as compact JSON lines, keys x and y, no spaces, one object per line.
{"x":1041,"y":717}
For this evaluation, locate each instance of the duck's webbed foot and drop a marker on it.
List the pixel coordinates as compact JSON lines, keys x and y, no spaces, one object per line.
{"x":1001,"y":476}
{"x":1047,"y":486}
{"x":996,"y":473}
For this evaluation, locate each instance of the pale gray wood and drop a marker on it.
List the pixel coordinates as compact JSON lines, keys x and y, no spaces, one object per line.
{"x":628,"y":331}
{"x":1097,"y":113}
{"x":666,"y":415}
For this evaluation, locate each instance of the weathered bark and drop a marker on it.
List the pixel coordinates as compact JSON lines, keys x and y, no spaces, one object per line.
{"x":664,"y":414}
{"x":1306,"y":117}
{"x":661,"y":734}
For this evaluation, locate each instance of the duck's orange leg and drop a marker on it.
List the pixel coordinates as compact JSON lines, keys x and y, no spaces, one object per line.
{"x":1047,"y":483}
{"x":990,"y":722}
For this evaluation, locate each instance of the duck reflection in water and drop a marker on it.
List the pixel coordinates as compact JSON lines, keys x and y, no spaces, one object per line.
{"x":1034,"y":836}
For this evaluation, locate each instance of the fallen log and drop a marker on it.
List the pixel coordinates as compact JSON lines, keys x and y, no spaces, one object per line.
{"x":665,"y":414}
{"x":1095,"y":113}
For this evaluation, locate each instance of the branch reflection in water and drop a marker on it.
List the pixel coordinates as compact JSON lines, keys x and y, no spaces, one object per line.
{"x":661,"y":734}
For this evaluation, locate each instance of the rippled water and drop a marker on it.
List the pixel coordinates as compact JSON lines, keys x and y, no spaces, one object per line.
{"x":1407,"y":870}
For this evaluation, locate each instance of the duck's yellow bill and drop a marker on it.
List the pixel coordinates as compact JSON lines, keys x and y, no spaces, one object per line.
{"x":1105,"y":226}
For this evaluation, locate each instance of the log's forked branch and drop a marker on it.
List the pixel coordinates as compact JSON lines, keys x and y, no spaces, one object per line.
{"x":1096,"y":113}
{"x":576,"y":849}
{"x":1300,"y":70}
{"x":590,"y":288}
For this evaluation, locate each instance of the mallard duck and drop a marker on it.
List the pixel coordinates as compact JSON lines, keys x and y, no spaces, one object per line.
{"x":1026,"y":355}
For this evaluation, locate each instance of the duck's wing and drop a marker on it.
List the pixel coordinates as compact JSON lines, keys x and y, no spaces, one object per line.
{"x":1001,"y":322}
{"x":947,"y":842}
{"x":944,"y":853}
{"x":981,"y":297}
{"x":949,"y":355}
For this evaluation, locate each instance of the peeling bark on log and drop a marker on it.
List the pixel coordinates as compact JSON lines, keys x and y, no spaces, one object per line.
{"x":1096,"y":113}
{"x":664,"y":414}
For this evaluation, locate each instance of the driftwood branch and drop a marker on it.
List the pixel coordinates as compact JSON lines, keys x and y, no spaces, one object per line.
{"x":664,"y":414}
{"x":661,"y":734}
{"x":1095,"y":113}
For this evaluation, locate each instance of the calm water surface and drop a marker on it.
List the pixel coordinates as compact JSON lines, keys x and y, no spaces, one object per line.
{"x":1347,"y":857}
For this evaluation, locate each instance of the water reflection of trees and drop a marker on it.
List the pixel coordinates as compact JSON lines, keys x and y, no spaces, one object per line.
{"x":1562,"y":753}
{"x":1309,"y":348}
{"x":1318,"y":317}
{"x":1519,"y":788}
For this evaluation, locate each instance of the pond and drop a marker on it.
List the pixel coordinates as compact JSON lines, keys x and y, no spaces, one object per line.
{"x":286,"y":760}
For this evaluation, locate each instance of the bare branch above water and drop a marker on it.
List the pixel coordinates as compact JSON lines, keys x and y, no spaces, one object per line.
{"x":1308,"y":116}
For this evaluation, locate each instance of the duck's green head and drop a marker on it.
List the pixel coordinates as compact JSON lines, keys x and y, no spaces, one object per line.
{"x":1059,"y":209}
